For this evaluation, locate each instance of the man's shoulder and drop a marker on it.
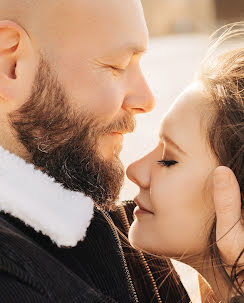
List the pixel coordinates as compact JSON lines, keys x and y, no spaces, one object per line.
{"x":17,"y":248}
{"x":32,"y":271}
{"x":10,"y":236}
{"x":16,"y":264}
{"x":15,"y":234}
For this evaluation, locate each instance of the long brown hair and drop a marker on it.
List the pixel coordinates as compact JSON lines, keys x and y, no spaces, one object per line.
{"x":223,"y":79}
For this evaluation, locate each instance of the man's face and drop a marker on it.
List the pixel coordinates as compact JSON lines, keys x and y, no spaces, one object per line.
{"x":96,"y":56}
{"x":64,"y":143}
{"x":87,"y":89}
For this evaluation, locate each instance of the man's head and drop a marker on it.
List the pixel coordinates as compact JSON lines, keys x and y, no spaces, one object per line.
{"x":70,"y":85}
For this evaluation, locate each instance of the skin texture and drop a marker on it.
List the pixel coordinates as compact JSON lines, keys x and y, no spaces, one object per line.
{"x":178,"y":195}
{"x":227,"y":200}
{"x":84,"y":43}
{"x":71,"y":85}
{"x":64,"y":143}
{"x":84,"y":51}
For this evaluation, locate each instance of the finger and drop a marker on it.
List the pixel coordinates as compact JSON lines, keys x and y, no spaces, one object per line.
{"x":227,"y":199}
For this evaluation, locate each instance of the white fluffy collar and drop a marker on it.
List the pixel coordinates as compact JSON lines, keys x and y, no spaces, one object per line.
{"x":35,"y":198}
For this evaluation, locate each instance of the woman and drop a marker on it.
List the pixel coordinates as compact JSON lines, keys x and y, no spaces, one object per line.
{"x":175,"y":214}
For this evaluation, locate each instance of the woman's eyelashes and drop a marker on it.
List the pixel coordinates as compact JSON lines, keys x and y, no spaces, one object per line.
{"x":166,"y":163}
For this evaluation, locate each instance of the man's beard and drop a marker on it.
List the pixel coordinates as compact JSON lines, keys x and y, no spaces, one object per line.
{"x":62,"y":142}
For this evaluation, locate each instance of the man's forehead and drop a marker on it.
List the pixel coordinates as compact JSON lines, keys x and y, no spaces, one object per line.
{"x":108,"y":26}
{"x":115,"y":14}
{"x":117,"y":25}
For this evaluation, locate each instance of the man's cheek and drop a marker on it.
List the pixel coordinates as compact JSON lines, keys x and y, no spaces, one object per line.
{"x":108,"y":103}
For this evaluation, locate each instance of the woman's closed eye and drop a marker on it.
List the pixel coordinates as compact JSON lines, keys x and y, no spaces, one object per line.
{"x":167,"y":163}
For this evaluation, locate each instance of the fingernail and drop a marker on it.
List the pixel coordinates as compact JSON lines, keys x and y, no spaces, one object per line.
{"x":221,"y":177}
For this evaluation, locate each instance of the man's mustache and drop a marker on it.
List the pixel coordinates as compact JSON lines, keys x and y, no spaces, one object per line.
{"x":126,"y":124}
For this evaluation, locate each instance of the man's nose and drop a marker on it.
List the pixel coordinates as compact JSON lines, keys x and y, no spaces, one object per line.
{"x":140,"y":98}
{"x":139,"y":173}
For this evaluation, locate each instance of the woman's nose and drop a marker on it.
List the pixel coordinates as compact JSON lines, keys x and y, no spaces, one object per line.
{"x":139,"y":172}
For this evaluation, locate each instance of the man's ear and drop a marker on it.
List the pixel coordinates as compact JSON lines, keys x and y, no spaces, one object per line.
{"x":17,"y":64}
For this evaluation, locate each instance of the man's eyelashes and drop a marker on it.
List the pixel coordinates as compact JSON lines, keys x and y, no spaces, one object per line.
{"x":116,"y":69}
{"x":165,"y":163}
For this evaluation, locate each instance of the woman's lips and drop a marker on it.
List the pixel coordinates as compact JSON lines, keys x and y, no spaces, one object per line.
{"x":140,"y":210}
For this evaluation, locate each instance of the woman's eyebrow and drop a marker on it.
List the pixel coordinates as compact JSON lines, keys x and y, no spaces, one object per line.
{"x":171,"y":142}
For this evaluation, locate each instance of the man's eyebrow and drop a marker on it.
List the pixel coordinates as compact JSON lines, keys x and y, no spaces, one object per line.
{"x":131,"y":49}
{"x":171,"y":142}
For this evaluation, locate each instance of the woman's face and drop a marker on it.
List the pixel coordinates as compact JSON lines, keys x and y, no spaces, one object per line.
{"x":176,"y":192}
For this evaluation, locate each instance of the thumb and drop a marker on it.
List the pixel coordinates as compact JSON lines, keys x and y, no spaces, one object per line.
{"x":227,"y":200}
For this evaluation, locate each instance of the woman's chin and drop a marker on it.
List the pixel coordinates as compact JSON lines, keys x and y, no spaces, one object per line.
{"x":149,"y":244}
{"x":132,"y":239}
{"x":140,"y":242}
{"x":136,"y":239}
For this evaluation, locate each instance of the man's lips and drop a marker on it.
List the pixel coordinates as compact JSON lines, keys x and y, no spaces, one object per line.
{"x":117,"y":137}
{"x":116,"y":133}
{"x":141,"y":207}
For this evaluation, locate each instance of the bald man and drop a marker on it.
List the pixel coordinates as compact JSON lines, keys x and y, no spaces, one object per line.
{"x":70,"y":86}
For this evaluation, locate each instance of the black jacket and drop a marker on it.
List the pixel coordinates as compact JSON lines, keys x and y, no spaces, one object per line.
{"x":34,"y":270}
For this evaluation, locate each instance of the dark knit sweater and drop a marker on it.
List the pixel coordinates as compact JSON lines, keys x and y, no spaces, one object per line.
{"x":33,"y":269}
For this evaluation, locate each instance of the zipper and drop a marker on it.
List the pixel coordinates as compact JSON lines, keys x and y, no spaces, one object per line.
{"x":141,"y":255}
{"x":125,"y":266}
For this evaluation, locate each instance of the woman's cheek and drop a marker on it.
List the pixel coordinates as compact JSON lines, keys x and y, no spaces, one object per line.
{"x":166,"y":190}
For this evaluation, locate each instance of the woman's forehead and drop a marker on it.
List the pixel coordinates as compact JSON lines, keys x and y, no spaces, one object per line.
{"x":182,"y":123}
{"x":186,"y":104}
